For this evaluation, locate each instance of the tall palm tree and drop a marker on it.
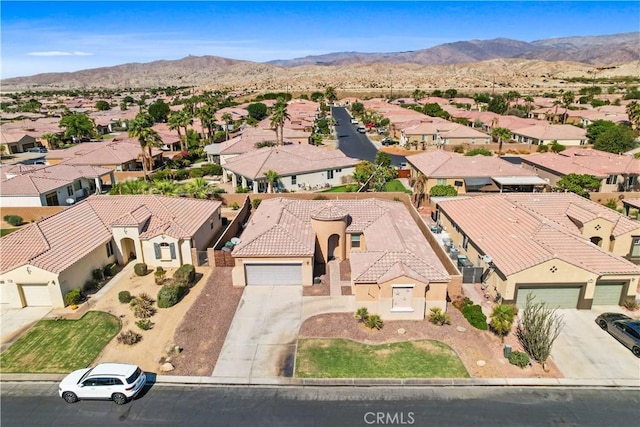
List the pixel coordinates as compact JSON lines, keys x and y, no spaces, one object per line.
{"x":148,"y":138}
{"x":633,"y":111}
{"x":51,"y":139}
{"x":175,"y":123}
{"x":207,"y":115}
{"x":528,"y":102}
{"x":227,"y":118}
{"x":567,"y":99}
{"x":272,"y":176}
{"x":330,"y":94}
{"x":419,"y":188}
{"x":278,"y":118}
{"x":501,"y":134}
{"x":187,"y":120}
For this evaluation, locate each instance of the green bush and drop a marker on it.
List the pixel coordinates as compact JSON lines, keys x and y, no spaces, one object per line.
{"x":475,"y":316}
{"x":180,"y":174}
{"x":14,"y":220}
{"x":98,"y":274}
{"x":212,"y":169}
{"x":170,"y":295}
{"x":235,"y":206}
{"x":72,"y":297}
{"x":110,"y":270}
{"x":255,"y":203}
{"x":160,"y":275}
{"x":519,"y":358}
{"x":90,"y":285}
{"x":144,"y":324}
{"x":439,"y":317}
{"x":185,"y":275}
{"x":124,"y":297}
{"x":320,"y":198}
{"x":196,"y":173}
{"x":140,"y":269}
{"x":240,"y":189}
{"x":160,"y":176}
{"x":362,"y":314}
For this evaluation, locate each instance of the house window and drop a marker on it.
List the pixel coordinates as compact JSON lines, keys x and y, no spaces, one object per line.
{"x":633,"y":180}
{"x":338,"y":170}
{"x":294,"y":180}
{"x":441,"y":181}
{"x":69,"y":190}
{"x":465,"y":242}
{"x":52,"y":199}
{"x":401,"y":298}
{"x":77,"y":185}
{"x":612,"y":179}
{"x":355,"y":240}
{"x":635,"y":247}
{"x":165,"y":251}
{"x":110,"y":248}
{"x":330,"y":174}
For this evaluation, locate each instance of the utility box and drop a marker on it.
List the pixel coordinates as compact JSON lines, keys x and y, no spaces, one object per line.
{"x":507,"y":350}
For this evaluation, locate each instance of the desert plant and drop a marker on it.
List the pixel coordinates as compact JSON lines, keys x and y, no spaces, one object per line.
{"x":538,"y":329}
{"x":475,"y":316}
{"x":519,"y":358}
{"x":170,"y":295}
{"x":129,"y":337}
{"x":140,"y":269}
{"x":362,"y":314}
{"x":160,"y":275}
{"x":142,"y":308}
{"x":110,"y":270}
{"x":97,"y":274}
{"x":235,"y":206}
{"x":461,"y":301}
{"x":502,"y":320}
{"x":320,"y":198}
{"x":630,"y":304}
{"x":255,"y":203}
{"x":185,"y":275}
{"x":125,"y":297}
{"x":14,"y":220}
{"x":374,"y":322}
{"x":72,"y":297}
{"x":439,"y":317}
{"x":144,"y":324}
{"x":146,"y":298}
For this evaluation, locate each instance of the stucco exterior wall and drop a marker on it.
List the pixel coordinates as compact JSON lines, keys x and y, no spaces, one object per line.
{"x":183,"y":252}
{"x":20,"y":201}
{"x":317,"y":178}
{"x":207,"y":230}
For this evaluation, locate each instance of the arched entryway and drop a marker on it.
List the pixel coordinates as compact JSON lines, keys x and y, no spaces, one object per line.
{"x":128,"y":249}
{"x":334,"y":242}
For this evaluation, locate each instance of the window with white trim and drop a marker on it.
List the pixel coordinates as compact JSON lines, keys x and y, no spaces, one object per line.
{"x":355,"y":240}
{"x":402,"y":297}
{"x":612,"y":179}
{"x":635,"y":247}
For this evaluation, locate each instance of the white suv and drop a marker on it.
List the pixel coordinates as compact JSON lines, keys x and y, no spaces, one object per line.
{"x":107,"y":381}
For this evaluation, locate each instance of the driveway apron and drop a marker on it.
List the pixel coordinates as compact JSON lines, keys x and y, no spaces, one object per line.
{"x":261,"y":341}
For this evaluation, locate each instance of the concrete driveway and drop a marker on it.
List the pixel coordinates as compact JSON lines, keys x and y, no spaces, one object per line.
{"x":584,"y":351}
{"x":261,"y":342}
{"x":15,"y":321}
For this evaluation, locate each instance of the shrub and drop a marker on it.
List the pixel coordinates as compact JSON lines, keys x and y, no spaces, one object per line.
{"x":630,"y":304}
{"x":458,"y":149}
{"x":180,"y":174}
{"x":502,"y":319}
{"x":170,"y":295}
{"x":160,"y":175}
{"x":90,"y":285}
{"x":98,"y":274}
{"x":196,"y":173}
{"x":240,"y":190}
{"x":143,"y":308}
{"x":538,"y":329}
{"x":374,"y":322}
{"x":439,"y":317}
{"x":461,"y":301}
{"x":362,"y":314}
{"x":140,"y":269}
{"x":110,"y":270}
{"x":212,"y":169}
{"x":185,"y":275}
{"x":144,"y":324}
{"x":129,"y":337}
{"x":160,"y":275}
{"x":320,"y":198}
{"x":14,"y":220}
{"x":124,"y":297}
{"x":72,"y":297}
{"x":255,"y":203}
{"x":146,"y":298}
{"x":235,"y":206}
{"x":519,"y":358}
{"x":475,"y":316}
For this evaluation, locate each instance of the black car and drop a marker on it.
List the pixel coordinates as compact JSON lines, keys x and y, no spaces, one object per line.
{"x":623,"y":328}
{"x":388,"y":141}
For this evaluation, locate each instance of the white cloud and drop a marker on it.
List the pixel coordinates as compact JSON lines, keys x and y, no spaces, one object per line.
{"x":59,"y":53}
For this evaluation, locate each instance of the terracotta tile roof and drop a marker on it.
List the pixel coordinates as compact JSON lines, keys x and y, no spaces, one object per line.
{"x":547,"y":132}
{"x":57,"y":242}
{"x":112,"y":152}
{"x":288,"y":160}
{"x":395,"y":245}
{"x":585,"y":161}
{"x":524,"y":230}
{"x":442,"y":164}
{"x":46,"y":178}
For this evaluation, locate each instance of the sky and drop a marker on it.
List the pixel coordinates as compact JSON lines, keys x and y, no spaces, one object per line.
{"x":64,"y":36}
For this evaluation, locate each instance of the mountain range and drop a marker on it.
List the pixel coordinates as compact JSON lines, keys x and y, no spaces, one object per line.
{"x":463,"y":60}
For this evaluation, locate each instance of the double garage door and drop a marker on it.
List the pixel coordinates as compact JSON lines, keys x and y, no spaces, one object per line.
{"x":273,"y":274}
{"x":567,"y":297}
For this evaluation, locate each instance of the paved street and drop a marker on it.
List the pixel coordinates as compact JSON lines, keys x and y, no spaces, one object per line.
{"x":354,"y":144}
{"x":38,"y":404}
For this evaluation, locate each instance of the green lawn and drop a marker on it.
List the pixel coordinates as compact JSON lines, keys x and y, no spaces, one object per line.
{"x":58,"y":346}
{"x":342,"y":189}
{"x":340,"y":358}
{"x":396,"y":186}
{"x":5,"y":231}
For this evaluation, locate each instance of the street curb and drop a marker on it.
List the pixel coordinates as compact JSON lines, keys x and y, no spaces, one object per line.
{"x":359,"y":382}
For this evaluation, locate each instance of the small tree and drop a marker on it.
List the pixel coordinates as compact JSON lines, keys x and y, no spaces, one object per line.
{"x":578,"y":183}
{"x":362,"y":314}
{"x":374,"y":322}
{"x":502,"y":319}
{"x":538,"y":329}
{"x":439,"y":317}
{"x":443,"y":191}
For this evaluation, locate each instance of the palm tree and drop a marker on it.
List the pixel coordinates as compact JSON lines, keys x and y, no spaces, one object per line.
{"x":633,"y":111}
{"x":419,"y":187}
{"x":175,"y":122}
{"x":199,"y":188}
{"x":207,"y":115}
{"x":51,"y":139}
{"x":278,"y":117}
{"x":131,"y":186}
{"x":567,"y":99}
{"x":227,"y":118}
{"x":502,"y":319}
{"x":148,"y":138}
{"x":165,"y":187}
{"x":528,"y":101}
{"x":272,"y":176}
{"x":330,"y":94}
{"x":501,"y":134}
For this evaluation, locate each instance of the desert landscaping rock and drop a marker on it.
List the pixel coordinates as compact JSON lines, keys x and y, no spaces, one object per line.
{"x":481,"y":363}
{"x":402,"y":331}
{"x":461,"y":329}
{"x":166,"y":367}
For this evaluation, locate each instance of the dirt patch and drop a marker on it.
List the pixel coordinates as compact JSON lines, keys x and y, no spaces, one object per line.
{"x":345,"y":270}
{"x":472,"y":345}
{"x":346,"y":290}
{"x":317,"y":290}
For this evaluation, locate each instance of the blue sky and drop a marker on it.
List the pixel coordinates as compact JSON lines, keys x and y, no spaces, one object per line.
{"x":54,"y":36}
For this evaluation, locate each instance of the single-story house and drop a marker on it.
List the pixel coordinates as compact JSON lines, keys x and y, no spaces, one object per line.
{"x":299,"y":166}
{"x":616,"y":172}
{"x":16,"y":142}
{"x":544,"y":134}
{"x":563,"y":249}
{"x":442,"y":132}
{"x":42,"y":261}
{"x":394,"y":271}
{"x":58,"y":185}
{"x":470,"y":174}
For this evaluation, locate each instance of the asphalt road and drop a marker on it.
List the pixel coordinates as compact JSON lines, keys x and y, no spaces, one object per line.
{"x":38,"y":404}
{"x":354,"y":144}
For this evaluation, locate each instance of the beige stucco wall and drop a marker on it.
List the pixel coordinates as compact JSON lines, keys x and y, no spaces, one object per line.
{"x":18,"y":201}
{"x":207,"y":230}
{"x":621,"y":245}
{"x":25,"y":275}
{"x":183,"y":252}
{"x":120,"y":233}
{"x":75,"y":276}
{"x":601,"y":228}
{"x":239,"y":278}
{"x":324,"y":230}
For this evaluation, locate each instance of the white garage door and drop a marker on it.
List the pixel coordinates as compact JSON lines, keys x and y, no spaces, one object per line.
{"x":273,"y":274}
{"x":5,"y":292}
{"x":608,"y":294}
{"x":36,"y":295}
{"x":556,"y":297}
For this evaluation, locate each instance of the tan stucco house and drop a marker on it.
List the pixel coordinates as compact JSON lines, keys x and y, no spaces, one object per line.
{"x":564,"y":249}
{"x":41,"y":262}
{"x":394,"y":271}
